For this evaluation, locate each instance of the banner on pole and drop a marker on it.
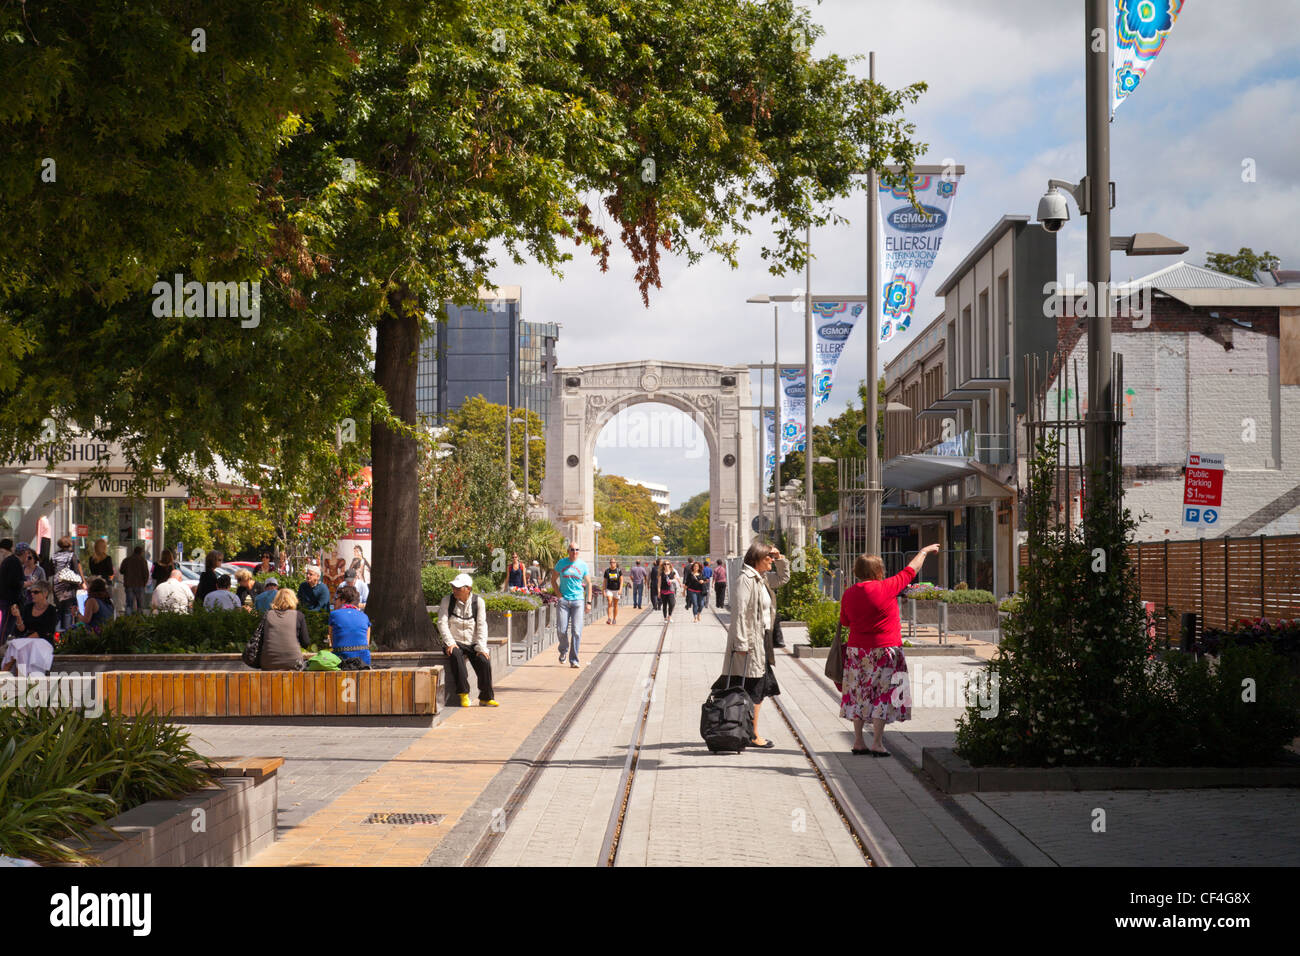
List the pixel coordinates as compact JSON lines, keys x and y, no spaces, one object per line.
{"x":769,"y":446}
{"x":910,"y":244}
{"x":833,"y":324}
{"x":1137,"y":35}
{"x":794,"y":395}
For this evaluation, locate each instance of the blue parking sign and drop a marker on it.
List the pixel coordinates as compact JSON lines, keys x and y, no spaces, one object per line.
{"x":1193,"y":515}
{"x":1209,"y":516}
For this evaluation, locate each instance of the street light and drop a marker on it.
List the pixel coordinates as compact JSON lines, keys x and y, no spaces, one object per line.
{"x":596,"y":550}
{"x":776,"y":404}
{"x":442,"y":450}
{"x":527,"y":440}
{"x":655,"y":539}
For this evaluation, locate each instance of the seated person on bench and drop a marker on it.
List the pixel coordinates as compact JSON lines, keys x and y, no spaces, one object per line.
{"x":462,"y":623}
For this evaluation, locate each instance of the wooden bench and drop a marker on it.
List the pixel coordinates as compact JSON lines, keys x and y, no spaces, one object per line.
{"x":391,"y":692}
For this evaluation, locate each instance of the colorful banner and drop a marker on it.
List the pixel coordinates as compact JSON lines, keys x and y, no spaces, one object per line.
{"x":794,"y":396}
{"x":1137,"y":36}
{"x":769,"y":446}
{"x":833,"y":324}
{"x":910,"y":244}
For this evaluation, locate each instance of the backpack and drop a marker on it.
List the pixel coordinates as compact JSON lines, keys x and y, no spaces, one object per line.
{"x":323,"y":661}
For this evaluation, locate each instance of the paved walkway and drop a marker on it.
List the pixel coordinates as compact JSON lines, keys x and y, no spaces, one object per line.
{"x":333,"y":778}
{"x":689,"y":807}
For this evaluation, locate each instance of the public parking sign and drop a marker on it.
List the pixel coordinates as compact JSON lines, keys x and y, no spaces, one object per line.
{"x":1202,"y":490}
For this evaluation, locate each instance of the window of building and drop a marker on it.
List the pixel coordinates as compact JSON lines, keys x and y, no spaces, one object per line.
{"x":985,"y":334}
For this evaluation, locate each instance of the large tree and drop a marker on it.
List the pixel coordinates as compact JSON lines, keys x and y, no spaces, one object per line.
{"x":1243,"y":264}
{"x":627,"y":514}
{"x":483,"y":423}
{"x":378,"y":195}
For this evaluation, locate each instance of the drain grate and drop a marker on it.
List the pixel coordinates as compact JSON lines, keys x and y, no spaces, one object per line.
{"x":404,"y":818}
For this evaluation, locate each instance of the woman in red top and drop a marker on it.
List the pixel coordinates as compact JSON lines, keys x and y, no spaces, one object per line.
{"x":873,"y":650}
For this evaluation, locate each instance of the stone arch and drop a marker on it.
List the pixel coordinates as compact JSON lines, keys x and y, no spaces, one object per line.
{"x":585,"y":399}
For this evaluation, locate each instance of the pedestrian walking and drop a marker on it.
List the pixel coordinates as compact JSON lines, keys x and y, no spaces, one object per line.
{"x":706,"y":574}
{"x":652,"y":583}
{"x":749,"y":638}
{"x":695,"y":590}
{"x":66,"y":581}
{"x":515,"y":573}
{"x":871,"y":688}
{"x":720,"y":585}
{"x":571,"y":580}
{"x":535,"y":574}
{"x":462,"y":624}
{"x":99,"y":563}
{"x":135,"y":578}
{"x":208,"y":579}
{"x":163,"y":567}
{"x":669,"y":585}
{"x":613,"y":590}
{"x":638,"y":576}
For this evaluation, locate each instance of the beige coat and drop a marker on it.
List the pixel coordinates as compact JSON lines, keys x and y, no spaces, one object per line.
{"x":753,"y":615}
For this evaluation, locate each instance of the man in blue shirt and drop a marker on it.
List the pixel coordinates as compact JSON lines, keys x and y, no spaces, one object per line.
{"x":706,"y":573}
{"x":270,"y":587}
{"x":313,"y":595}
{"x":572,"y":581}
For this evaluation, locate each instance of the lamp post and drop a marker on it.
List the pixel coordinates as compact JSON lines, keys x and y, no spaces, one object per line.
{"x":442,"y":450}
{"x":527,"y":440}
{"x":655,"y":539}
{"x":596,"y":550}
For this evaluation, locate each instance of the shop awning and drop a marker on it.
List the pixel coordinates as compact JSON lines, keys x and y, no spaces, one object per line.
{"x":921,"y":472}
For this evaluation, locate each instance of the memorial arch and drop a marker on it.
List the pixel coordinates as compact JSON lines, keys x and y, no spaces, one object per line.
{"x":584,"y":399}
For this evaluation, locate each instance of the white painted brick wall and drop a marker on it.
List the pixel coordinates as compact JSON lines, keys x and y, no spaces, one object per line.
{"x":1227,"y":388}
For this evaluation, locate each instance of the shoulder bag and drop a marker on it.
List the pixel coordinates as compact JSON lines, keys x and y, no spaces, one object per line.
{"x":835,"y":659}
{"x":252,"y":655}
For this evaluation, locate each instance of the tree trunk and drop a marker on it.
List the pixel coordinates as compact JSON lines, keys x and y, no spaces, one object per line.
{"x":396,"y":603}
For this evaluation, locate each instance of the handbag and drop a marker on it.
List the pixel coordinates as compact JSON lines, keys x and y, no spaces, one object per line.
{"x":252,"y":655}
{"x":835,"y":659}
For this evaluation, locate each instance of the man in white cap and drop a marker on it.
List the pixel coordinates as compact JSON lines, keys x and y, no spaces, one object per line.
{"x":462,"y":624}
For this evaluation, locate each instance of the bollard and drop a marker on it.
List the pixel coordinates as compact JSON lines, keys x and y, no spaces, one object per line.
{"x":1189,"y":632}
{"x":943,"y":620}
{"x":911,"y":621}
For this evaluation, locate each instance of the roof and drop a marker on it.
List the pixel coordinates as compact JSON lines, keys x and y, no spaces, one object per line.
{"x":1184,"y":275}
{"x":981,"y":247}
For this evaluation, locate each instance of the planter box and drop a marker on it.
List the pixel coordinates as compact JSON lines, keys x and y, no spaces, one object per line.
{"x":807,"y":650}
{"x":952,"y":774}
{"x":961,"y":617}
{"x":224,"y":825}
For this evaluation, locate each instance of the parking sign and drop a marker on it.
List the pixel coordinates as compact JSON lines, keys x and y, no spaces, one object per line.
{"x":1202,"y":490}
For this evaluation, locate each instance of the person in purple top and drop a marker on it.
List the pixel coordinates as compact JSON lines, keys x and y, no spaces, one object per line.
{"x":638,"y":575}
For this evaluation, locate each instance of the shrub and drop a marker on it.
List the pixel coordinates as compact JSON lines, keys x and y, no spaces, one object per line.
{"x":62,"y":774}
{"x":822,"y":619}
{"x":199,"y":632}
{"x":510,"y":602}
{"x":804,"y":586}
{"x":1282,"y":636}
{"x":968,"y":596}
{"x":1011,"y":604}
{"x":436,"y":580}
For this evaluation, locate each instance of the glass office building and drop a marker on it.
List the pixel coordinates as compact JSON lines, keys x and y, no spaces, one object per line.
{"x":487,"y":349}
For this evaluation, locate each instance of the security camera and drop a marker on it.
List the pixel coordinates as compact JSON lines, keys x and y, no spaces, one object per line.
{"x":1053,"y":211}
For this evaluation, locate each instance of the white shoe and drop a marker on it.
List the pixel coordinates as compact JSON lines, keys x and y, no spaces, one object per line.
{"x":573,"y":664}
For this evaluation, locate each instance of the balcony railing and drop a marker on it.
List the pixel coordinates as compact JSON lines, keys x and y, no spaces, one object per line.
{"x":988,"y":448}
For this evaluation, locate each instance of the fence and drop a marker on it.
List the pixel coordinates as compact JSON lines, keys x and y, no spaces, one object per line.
{"x":1221,"y":580}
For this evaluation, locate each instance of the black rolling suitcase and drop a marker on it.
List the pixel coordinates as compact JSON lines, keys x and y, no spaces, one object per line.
{"x":727,"y":716}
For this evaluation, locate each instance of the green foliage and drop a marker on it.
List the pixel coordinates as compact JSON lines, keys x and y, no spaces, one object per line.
{"x":821,"y":619}
{"x":510,"y":602}
{"x":482,"y":423}
{"x":227,"y":531}
{"x":954,"y":596}
{"x":543,"y":543}
{"x":805,"y":586}
{"x":1077,"y":681}
{"x":697,"y":533}
{"x":628,"y":516}
{"x":1244,"y":264}
{"x":1012,"y":603}
{"x":466,"y":509}
{"x":199,"y":632}
{"x":62,"y":774}
{"x":436,"y":581}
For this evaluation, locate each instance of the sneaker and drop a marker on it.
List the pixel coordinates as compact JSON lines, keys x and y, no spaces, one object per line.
{"x":573,"y":664}
{"x":464,"y":700}
{"x":488,"y":703}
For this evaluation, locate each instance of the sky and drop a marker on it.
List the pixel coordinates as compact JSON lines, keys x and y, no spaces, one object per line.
{"x":1006,"y":99}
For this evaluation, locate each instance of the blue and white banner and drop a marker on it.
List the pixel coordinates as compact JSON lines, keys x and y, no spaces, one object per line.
{"x":794,"y":397}
{"x":910,"y":244}
{"x":833,"y":324}
{"x":769,"y":445}
{"x":1137,"y":36}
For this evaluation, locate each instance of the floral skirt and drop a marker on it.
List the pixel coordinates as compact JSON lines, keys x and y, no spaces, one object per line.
{"x":875,"y":685}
